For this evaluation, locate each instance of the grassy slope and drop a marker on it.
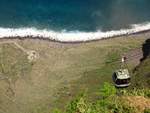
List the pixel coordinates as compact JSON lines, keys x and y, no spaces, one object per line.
{"x":142,"y":75}
{"x":115,"y":100}
{"x":61,"y":72}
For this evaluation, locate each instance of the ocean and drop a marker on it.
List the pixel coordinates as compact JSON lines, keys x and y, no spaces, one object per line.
{"x":69,"y":20}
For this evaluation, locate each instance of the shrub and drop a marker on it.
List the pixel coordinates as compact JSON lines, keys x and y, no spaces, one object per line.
{"x":56,"y":111}
{"x":107,"y":90}
{"x":147,"y":93}
{"x":79,"y":105}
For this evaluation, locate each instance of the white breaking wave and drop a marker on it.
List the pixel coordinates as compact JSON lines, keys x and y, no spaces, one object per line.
{"x":74,"y":36}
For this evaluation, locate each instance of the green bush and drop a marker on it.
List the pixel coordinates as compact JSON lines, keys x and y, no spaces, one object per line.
{"x":56,"y":111}
{"x":147,"y":93}
{"x":79,"y":105}
{"x":107,"y":90}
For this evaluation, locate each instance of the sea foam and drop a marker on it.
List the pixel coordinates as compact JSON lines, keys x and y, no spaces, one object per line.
{"x":72,"y":36}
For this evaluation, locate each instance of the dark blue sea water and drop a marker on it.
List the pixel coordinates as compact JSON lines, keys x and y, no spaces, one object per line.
{"x":72,"y":15}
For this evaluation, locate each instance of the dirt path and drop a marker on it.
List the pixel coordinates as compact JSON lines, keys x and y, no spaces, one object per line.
{"x":134,"y":56}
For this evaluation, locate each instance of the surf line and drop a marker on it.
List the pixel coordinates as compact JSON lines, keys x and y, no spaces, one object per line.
{"x":71,"y":36}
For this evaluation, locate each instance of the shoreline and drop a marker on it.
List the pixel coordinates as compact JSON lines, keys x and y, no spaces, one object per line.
{"x":75,"y":42}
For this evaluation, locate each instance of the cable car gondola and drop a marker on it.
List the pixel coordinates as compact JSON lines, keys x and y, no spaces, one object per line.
{"x":121,"y":76}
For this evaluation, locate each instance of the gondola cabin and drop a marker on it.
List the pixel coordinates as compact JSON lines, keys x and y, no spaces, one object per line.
{"x":121,"y":78}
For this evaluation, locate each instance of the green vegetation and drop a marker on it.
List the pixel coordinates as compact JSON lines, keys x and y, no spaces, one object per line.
{"x":108,"y":102}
